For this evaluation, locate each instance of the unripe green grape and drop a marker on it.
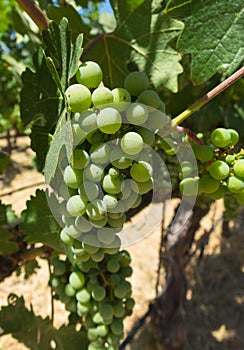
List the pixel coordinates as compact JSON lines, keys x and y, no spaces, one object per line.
{"x":72,"y":231}
{"x":99,"y":223}
{"x":137,"y":114}
{"x":110,"y":201}
{"x":113,"y":265}
{"x":78,"y":97}
{"x":95,"y":137}
{"x":98,"y":293}
{"x":102,"y":330}
{"x":111,"y":185}
{"x":77,"y":279}
{"x":207,"y":184}
{"x":117,"y":326}
{"x":136,"y":82}
{"x":98,"y":256}
{"x":141,"y":171}
{"x":143,"y":187}
{"x":78,"y":134}
{"x":100,"y":153}
{"x":240,"y":197}
{"x":235,"y":184}
{"x":109,"y":120}
{"x":67,"y":239}
{"x":106,"y":235}
{"x":119,"y":159}
{"x":80,"y":159}
{"x":203,"y":153}
{"x":88,"y":190}
{"x":137,"y":202}
{"x":238,"y":168}
{"x":189,"y":186}
{"x":129,"y":303}
{"x":73,"y":178}
{"x":93,"y":172}
{"x":69,"y":290}
{"x":102,"y":96}
{"x":76,"y":206}
{"x":121,"y":99}
{"x":96,"y":210}
{"x":147,"y":135}
{"x":106,"y":311}
{"x":120,"y":291}
{"x":71,"y":305}
{"x":83,"y":309}
{"x":161,"y":106}
{"x":131,"y":143}
{"x":117,"y":223}
{"x":157,"y":120}
{"x":218,"y":194}
{"x":185,"y":169}
{"x":119,"y":309}
{"x":89,"y":74}
{"x":59,"y":266}
{"x":114,"y":247}
{"x":83,"y":296}
{"x":229,"y":159}
{"x":126,"y":271}
{"x":88,"y":123}
{"x":114,"y":172}
{"x":125,"y":258}
{"x":92,"y":334}
{"x":219,"y":170}
{"x":82,"y":224}
{"x":221,"y":137}
{"x":234,"y":136}
{"x":149,"y":98}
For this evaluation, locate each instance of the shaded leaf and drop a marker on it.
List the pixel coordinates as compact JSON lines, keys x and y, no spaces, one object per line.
{"x":7,"y":216}
{"x":38,"y":223}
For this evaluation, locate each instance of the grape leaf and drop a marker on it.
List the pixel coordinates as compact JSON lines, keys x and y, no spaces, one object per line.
{"x":140,"y":37}
{"x":38,"y":223}
{"x":37,"y":332}
{"x":7,"y":217}
{"x":213,"y":35}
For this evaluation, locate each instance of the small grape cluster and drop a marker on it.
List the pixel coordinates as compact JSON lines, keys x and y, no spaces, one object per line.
{"x":97,"y":295}
{"x":222,"y":169}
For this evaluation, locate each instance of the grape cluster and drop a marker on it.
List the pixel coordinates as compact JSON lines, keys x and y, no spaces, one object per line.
{"x":222,"y":170}
{"x":97,"y":295}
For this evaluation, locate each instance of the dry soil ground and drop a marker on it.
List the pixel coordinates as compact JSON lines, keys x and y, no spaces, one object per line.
{"x":215,"y":297}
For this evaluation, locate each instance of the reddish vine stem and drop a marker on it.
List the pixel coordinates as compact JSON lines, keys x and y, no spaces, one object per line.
{"x":191,"y":135}
{"x":35,"y":13}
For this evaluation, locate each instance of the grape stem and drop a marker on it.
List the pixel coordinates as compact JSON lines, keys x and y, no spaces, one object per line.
{"x":190,"y":134}
{"x":35,"y":13}
{"x":209,"y":96}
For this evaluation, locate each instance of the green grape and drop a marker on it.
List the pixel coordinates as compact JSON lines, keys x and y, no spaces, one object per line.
{"x":157,"y":120}
{"x":119,"y":309}
{"x":131,"y":143}
{"x":113,"y":265}
{"x":111,"y":185}
{"x":105,"y":235}
{"x":102,"y":96}
{"x":78,"y":134}
{"x":230,"y":159}
{"x":234,"y":136}
{"x":92,"y":334}
{"x":120,"y":291}
{"x":143,"y":187}
{"x":109,"y":120}
{"x":72,"y":231}
{"x":141,"y":171}
{"x":137,"y":202}
{"x":113,"y":340}
{"x":76,"y":205}
{"x":238,"y":168}
{"x":240,"y":197}
{"x":71,"y":305}
{"x":114,"y":172}
{"x":99,"y":223}
{"x":88,"y":323}
{"x":207,"y":184}
{"x":65,"y":237}
{"x":106,"y":311}
{"x":221,"y":137}
{"x":119,"y":159}
{"x":98,"y":256}
{"x":130,"y":303}
{"x":98,"y":293}
{"x":149,"y":98}
{"x":136,"y":82}
{"x":161,"y":106}
{"x":96,"y":210}
{"x":117,"y":326}
{"x":88,"y":191}
{"x":234,"y":184}
{"x":83,"y":296}
{"x":77,"y":279}
{"x":218,"y":194}
{"x":126,"y":271}
{"x":94,"y":137}
{"x":189,"y":186}
{"x":82,"y":224}
{"x":110,"y":201}
{"x":80,"y":159}
{"x":69,"y":290}
{"x":147,"y":135}
{"x":100,"y":153}
{"x":137,"y":114}
{"x":88,"y":123}
{"x":219,"y":170}
{"x":72,"y":178}
{"x":59,"y":266}
{"x":78,"y":97}
{"x":185,"y":169}
{"x":83,"y":309}
{"x":203,"y":153}
{"x":93,"y":172}
{"x":102,"y":330}
{"x":121,"y":99}
{"x":89,"y":74}
{"x":113,"y":247}
{"x":117,"y":223}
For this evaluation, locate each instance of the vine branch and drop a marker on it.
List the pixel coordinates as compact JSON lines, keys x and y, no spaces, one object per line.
{"x":209,"y":96}
{"x":35,"y":13}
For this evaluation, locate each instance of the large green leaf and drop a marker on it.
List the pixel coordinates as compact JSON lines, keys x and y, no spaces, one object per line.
{"x":142,"y":37}
{"x":38,"y":223}
{"x":213,"y":35}
{"x":36,"y":332}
